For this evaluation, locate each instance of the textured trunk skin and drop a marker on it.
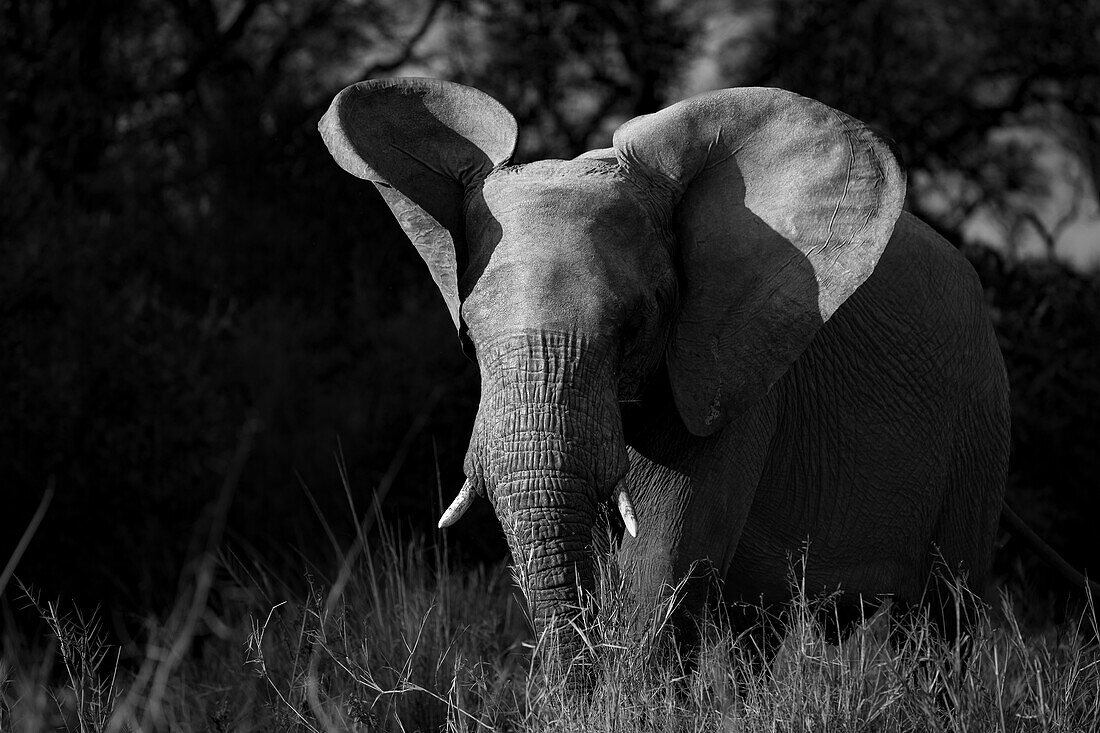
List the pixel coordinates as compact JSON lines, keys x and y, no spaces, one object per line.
{"x":548,"y":444}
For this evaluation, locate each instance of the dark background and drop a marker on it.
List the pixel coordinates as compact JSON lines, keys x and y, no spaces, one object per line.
{"x":179,"y":254}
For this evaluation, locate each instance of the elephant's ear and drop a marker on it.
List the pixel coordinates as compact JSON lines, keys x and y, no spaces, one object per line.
{"x":785,"y":207}
{"x":422,"y":142}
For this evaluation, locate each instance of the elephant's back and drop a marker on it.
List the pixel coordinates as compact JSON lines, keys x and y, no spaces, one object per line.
{"x":895,"y":412}
{"x":919,"y":324}
{"x":924,"y":302}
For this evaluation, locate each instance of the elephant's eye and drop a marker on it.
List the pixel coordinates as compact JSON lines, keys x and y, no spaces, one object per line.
{"x":631,"y":328}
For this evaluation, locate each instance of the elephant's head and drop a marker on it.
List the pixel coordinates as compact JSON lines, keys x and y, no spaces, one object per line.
{"x":709,"y":244}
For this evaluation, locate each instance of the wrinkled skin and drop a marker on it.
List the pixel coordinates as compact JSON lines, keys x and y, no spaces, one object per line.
{"x":548,"y":441}
{"x":829,"y":376}
{"x":883,"y":447}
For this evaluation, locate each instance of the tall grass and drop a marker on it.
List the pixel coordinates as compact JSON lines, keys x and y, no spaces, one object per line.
{"x":412,"y":644}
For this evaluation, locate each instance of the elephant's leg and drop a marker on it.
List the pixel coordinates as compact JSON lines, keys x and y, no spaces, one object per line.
{"x":960,"y":554}
{"x":963,"y":542}
{"x":692,"y":497}
{"x":648,"y":561}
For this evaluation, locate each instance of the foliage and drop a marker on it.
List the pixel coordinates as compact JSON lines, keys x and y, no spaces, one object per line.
{"x":178,"y":255}
{"x":994,"y":105}
{"x":571,"y":72}
{"x":1048,"y":320}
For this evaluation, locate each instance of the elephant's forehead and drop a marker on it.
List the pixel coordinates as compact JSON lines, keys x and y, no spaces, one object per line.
{"x":552,"y":245}
{"x":561,"y":198}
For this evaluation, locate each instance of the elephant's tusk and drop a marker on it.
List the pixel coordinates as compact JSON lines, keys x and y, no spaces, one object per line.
{"x":458,"y":507}
{"x":626,"y":509}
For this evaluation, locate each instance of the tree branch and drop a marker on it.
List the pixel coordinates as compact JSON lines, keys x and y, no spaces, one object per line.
{"x":406,"y":52}
{"x":237,"y":27}
{"x":215,"y":46}
{"x":318,"y":16}
{"x":313,"y":109}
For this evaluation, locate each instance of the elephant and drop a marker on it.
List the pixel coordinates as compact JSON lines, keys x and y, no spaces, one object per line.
{"x":724,"y":325}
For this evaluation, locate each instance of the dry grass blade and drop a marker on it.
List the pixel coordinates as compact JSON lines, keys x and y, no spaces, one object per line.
{"x":25,"y":539}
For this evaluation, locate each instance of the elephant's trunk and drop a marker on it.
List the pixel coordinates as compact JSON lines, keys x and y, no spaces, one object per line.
{"x":548,"y":521}
{"x":548,"y":443}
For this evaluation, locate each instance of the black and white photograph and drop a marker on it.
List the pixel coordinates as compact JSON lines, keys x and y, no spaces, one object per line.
{"x":532,"y":365}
